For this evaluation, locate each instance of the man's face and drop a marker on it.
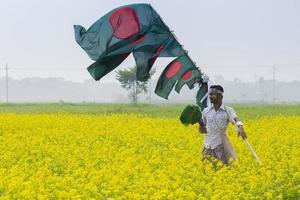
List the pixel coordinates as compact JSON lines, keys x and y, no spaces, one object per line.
{"x":214,"y":95}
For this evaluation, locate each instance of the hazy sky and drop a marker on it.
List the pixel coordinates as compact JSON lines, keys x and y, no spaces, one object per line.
{"x":235,"y":38}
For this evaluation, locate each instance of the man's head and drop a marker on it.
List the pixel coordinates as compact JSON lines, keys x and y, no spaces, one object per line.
{"x":215,"y":93}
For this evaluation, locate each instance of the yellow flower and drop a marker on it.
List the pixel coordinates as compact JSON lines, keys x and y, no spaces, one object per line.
{"x":81,"y":156}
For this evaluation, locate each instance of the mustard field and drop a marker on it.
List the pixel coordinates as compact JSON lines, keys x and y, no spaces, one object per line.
{"x":132,"y":156}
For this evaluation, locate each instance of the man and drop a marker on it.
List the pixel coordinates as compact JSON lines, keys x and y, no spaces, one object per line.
{"x":215,"y":119}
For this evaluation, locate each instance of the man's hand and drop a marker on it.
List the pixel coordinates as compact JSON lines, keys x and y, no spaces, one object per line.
{"x":202,"y":129}
{"x":242,"y":133}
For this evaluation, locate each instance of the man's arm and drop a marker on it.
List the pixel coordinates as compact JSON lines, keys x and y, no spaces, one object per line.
{"x":237,"y":121}
{"x":202,"y":122}
{"x":202,"y":128}
{"x":241,"y":131}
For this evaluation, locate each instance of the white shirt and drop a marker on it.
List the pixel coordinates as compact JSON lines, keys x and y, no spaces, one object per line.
{"x":216,"y":123}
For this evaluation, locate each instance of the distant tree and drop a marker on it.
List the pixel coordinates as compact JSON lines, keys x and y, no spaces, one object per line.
{"x":128,"y":80}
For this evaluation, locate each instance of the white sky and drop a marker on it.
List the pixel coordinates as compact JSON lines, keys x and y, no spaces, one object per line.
{"x":234,"y":38}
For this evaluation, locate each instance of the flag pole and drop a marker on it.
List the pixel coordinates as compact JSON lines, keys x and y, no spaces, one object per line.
{"x":245,"y":139}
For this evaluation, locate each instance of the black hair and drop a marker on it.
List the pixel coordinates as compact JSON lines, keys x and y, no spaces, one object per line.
{"x":218,"y":87}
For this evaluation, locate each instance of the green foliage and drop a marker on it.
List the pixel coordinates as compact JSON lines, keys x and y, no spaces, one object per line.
{"x":244,"y":111}
{"x":128,"y":80}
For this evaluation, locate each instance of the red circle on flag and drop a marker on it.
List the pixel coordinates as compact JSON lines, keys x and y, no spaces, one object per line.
{"x":125,"y":23}
{"x":173,"y":69}
{"x":206,"y":87}
{"x":190,"y":112}
{"x":158,"y":50}
{"x":141,"y":39}
{"x":187,"y":75}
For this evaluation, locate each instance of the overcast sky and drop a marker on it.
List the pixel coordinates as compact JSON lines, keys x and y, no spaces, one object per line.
{"x":234,"y":38}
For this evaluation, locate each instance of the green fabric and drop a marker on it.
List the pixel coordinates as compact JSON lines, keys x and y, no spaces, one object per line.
{"x":165,"y":84}
{"x":137,"y":29}
{"x":134,"y":28}
{"x":99,"y":69}
{"x":146,"y":56}
{"x":190,"y":115}
{"x":190,"y":82}
{"x":202,"y":94}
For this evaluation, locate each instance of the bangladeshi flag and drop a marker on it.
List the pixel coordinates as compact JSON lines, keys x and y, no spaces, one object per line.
{"x":189,"y":78}
{"x":202,"y":95}
{"x":135,"y":28}
{"x":177,"y":70}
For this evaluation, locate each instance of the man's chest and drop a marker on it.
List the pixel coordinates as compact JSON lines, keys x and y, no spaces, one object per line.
{"x":217,"y":120}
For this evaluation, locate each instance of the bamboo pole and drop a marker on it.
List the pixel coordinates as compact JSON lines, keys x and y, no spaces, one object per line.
{"x":245,"y":139}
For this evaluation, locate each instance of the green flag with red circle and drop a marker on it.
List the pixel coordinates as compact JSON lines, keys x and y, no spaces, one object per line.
{"x":179,"y":69}
{"x":137,"y":29}
{"x":134,"y":28}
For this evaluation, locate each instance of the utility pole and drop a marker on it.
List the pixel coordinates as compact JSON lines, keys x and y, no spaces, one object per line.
{"x":6,"y":69}
{"x":274,"y":70}
{"x":150,"y":90}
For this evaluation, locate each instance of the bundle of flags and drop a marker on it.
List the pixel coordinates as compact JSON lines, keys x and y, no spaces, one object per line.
{"x":138,"y":29}
{"x":190,"y":115}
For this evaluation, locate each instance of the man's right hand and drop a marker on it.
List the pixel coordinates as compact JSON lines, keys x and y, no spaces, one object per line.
{"x":202,"y":129}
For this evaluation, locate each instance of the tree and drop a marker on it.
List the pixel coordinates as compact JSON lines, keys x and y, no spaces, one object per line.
{"x":128,"y":80}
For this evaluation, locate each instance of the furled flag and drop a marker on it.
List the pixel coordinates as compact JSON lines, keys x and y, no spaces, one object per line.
{"x":202,"y":94}
{"x":135,"y":28}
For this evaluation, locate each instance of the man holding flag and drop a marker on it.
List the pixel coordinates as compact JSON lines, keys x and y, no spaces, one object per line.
{"x":138,"y":29}
{"x":215,"y":120}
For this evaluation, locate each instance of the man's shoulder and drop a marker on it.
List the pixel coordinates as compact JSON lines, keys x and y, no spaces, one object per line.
{"x":230,"y":111}
{"x":228,"y":108}
{"x":205,"y":110}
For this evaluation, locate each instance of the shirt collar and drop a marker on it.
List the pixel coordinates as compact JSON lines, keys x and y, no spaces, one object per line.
{"x":221,"y":107}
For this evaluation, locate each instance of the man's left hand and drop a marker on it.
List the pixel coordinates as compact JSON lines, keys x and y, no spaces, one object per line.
{"x":242,"y":133}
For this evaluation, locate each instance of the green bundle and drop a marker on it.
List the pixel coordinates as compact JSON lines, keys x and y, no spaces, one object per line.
{"x":191,"y":114}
